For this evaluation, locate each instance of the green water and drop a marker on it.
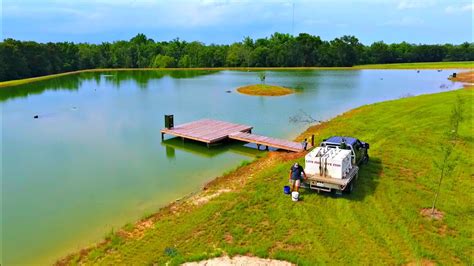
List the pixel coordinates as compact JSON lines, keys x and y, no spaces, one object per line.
{"x":94,"y":160}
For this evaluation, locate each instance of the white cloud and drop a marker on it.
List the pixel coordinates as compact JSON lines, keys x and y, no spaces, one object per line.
{"x":405,"y":21}
{"x":458,"y":9}
{"x":223,"y":21}
{"x":410,"y":4}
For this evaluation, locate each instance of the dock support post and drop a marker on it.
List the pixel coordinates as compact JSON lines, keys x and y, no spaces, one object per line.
{"x":266,"y":148}
{"x":258,"y":146}
{"x":162,"y":136}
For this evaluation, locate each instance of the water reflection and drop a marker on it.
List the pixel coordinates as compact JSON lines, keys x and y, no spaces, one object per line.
{"x":201,"y":150}
{"x":116,"y":78}
{"x":170,"y":152}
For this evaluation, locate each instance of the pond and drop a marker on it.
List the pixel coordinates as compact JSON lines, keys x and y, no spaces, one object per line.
{"x":94,"y":159}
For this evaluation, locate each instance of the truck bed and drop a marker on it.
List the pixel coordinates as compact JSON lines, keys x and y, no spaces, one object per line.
{"x":313,"y":179}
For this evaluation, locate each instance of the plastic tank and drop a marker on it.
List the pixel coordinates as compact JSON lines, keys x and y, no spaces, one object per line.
{"x":329,"y":162}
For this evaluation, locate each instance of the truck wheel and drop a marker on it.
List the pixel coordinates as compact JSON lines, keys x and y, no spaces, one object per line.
{"x":366,"y":159}
{"x":349,"y":187}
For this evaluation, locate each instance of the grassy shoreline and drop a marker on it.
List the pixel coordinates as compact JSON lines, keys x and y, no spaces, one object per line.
{"x":432,"y":65}
{"x":235,"y":213}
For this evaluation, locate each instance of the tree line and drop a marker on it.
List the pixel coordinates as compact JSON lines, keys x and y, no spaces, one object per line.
{"x":23,"y":59}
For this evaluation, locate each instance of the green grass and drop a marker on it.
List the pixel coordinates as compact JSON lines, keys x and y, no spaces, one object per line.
{"x":433,"y":65}
{"x":428,"y":65}
{"x":379,"y":223}
{"x":17,"y":82}
{"x":242,"y":164}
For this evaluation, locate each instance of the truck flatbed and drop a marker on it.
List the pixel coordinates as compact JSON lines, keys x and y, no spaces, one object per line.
{"x":313,"y":180}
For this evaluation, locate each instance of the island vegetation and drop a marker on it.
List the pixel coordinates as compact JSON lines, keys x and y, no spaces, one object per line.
{"x":265,"y":90}
{"x":381,"y":222}
{"x":25,"y":59}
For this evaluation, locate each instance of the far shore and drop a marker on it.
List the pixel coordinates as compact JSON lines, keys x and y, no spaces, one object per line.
{"x":424,"y":65}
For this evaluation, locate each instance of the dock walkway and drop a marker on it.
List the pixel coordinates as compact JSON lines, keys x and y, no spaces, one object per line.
{"x":211,"y":131}
{"x":267,"y":141}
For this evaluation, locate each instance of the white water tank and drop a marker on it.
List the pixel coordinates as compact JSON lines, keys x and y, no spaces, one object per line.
{"x":328,"y":162}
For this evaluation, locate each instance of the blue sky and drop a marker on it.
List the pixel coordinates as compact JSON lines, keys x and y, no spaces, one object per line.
{"x":227,"y":21}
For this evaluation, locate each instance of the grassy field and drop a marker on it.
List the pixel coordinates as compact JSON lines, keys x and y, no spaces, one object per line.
{"x":265,"y":90}
{"x":429,"y":65}
{"x":435,"y":65}
{"x":246,"y":212}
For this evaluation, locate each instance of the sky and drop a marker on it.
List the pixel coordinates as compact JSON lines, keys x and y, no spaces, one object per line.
{"x":228,"y":21}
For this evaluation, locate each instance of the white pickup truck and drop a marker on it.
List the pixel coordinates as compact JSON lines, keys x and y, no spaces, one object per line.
{"x":331,"y":166}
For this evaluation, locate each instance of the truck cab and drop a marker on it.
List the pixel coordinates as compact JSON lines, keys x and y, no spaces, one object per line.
{"x":359,"y":149}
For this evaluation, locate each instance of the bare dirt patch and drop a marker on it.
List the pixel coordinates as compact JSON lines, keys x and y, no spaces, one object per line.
{"x":437,"y":215}
{"x":229,"y":239}
{"x":201,"y":199}
{"x":466,"y":77}
{"x":239,"y":260}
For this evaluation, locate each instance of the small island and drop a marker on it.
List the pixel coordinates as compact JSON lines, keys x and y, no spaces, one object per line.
{"x":265,"y":90}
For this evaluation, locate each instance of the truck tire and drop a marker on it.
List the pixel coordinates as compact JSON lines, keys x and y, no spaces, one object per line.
{"x":366,"y":159}
{"x":337,"y":193}
{"x":349,"y":188}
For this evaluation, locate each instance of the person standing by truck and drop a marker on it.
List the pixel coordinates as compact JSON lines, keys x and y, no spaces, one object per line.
{"x":304,"y":144}
{"x":295,"y":176}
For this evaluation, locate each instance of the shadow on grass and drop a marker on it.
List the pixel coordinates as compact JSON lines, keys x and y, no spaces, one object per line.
{"x":368,"y":180}
{"x":365,"y":185}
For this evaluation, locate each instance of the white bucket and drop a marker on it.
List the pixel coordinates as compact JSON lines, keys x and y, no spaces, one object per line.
{"x":295,"y":196}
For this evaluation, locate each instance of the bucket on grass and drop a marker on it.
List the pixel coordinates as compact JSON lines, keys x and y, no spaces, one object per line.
{"x":295,"y":196}
{"x":286,"y":189}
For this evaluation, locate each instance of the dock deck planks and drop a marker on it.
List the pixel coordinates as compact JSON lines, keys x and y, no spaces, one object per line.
{"x":267,"y":141}
{"x":211,"y":131}
{"x":206,"y":130}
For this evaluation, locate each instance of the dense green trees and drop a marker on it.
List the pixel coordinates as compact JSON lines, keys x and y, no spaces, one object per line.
{"x":22,"y":59}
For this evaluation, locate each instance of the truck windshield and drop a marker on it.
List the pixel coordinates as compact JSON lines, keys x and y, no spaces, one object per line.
{"x":332,"y":145}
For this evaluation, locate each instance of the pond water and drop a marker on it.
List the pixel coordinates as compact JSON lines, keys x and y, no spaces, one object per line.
{"x":94,"y":159}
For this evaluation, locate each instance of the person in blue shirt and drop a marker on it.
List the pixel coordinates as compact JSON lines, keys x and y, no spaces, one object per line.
{"x":296,"y":172}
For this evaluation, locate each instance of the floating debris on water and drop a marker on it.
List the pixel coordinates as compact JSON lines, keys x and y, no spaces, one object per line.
{"x":444,"y":86}
{"x":36,"y":116}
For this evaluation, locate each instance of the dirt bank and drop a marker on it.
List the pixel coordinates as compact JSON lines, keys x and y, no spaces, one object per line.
{"x":465,"y":77}
{"x":237,"y":261}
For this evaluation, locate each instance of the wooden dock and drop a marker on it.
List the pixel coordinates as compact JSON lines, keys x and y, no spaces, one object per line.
{"x":212,"y":131}
{"x":267,"y":141}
